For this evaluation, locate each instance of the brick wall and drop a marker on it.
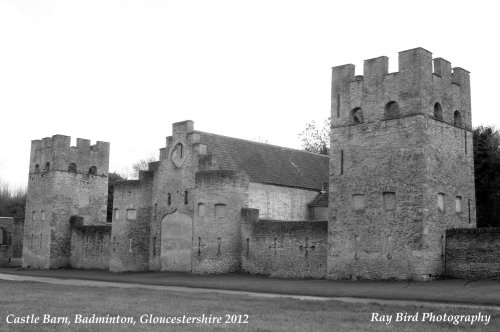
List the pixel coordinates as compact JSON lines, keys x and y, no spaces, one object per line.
{"x":291,"y":249}
{"x":473,"y":253}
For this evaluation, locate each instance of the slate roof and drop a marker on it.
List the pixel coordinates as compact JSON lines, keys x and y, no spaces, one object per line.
{"x":270,"y":164}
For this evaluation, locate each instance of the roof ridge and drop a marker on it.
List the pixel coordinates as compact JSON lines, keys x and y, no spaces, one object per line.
{"x":266,"y":144}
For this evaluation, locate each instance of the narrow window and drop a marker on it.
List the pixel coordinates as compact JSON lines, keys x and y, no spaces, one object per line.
{"x":41,"y":240}
{"x":93,"y":170}
{"x":220,"y":210}
{"x":391,"y":110}
{"x":47,"y":166}
{"x":438,"y":111}
{"x":248,"y":246}
{"x":341,"y":162}
{"x":458,"y":204}
{"x":130,"y":244}
{"x":201,"y":210}
{"x":218,"y":246}
{"x":457,"y":119}
{"x":465,"y":138}
{"x":117,"y":214}
{"x":2,"y":236}
{"x":185,"y":197}
{"x":389,"y":201}
{"x":42,"y":215}
{"x":37,"y":169}
{"x":468,"y":203}
{"x":72,"y":168}
{"x":31,"y":243}
{"x":131,"y":214}
{"x":33,"y":216}
{"x":357,"y":115}
{"x":338,"y":105}
{"x":199,"y":246}
{"x":156,"y":207}
{"x":358,"y":202}
{"x":154,"y":246}
{"x":441,"y":202}
{"x":169,"y":199}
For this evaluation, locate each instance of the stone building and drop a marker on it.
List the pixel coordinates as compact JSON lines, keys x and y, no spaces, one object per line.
{"x":11,"y":244}
{"x":399,"y":175}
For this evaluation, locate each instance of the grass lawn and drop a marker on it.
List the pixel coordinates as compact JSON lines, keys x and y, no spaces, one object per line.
{"x":264,"y":314}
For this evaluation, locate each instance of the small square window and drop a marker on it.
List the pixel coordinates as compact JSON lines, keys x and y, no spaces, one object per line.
{"x":131,"y":214}
{"x":458,"y":204}
{"x":389,"y":201}
{"x":441,"y":202}
{"x":358,"y":202}
{"x":202,"y":210}
{"x":220,"y":210}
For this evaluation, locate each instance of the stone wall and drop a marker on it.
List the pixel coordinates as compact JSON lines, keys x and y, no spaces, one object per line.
{"x":11,"y":250}
{"x":391,"y":157}
{"x":131,"y":224}
{"x":173,"y":193}
{"x":473,"y":253}
{"x":280,"y":203}
{"x":64,"y":181}
{"x":219,"y":197}
{"x":290,"y":249}
{"x":6,"y":239}
{"x":91,"y":247}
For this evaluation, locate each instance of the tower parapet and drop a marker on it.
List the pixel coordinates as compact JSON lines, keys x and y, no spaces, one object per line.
{"x":56,"y":154}
{"x":416,"y":89}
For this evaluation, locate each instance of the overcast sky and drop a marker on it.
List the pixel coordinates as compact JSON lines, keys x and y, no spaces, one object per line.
{"x":124,"y":71}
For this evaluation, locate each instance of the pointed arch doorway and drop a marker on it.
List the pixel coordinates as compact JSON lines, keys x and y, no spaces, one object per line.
{"x":176,"y":242}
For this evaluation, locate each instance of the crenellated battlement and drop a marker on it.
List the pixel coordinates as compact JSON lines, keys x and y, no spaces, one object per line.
{"x":420,"y":83}
{"x":56,"y":154}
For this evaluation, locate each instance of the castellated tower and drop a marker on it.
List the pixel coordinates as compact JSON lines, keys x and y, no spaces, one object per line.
{"x":401,"y":167}
{"x":64,"y":181}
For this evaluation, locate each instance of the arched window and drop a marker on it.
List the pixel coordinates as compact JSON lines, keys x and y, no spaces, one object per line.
{"x":391,"y":110}
{"x":37,"y":168}
{"x":457,"y":119}
{"x":357,"y":115}
{"x":438,"y":111}
{"x":5,"y":237}
{"x":93,"y":170}
{"x":72,"y":168}
{"x":47,"y":166}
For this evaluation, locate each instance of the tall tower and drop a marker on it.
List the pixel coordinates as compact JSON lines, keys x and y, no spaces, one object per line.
{"x":64,"y":181}
{"x":401,"y":166}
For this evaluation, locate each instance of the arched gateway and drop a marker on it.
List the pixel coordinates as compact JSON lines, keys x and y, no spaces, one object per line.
{"x":176,"y":242}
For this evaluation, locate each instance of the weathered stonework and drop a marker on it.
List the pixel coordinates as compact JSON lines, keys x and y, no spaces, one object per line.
{"x":473,"y":253}
{"x":64,"y":181}
{"x":389,"y":144}
{"x":288,"y":249}
{"x":11,"y":237}
{"x":400,"y":174}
